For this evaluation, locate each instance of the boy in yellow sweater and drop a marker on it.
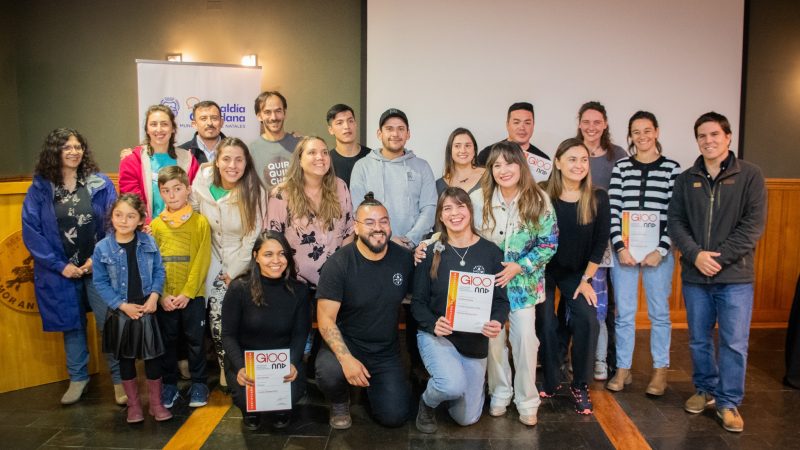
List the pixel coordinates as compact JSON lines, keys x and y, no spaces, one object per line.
{"x":184,"y":239}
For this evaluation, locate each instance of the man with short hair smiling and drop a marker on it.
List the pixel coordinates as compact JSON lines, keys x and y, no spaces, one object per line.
{"x":343,"y":127}
{"x":272,"y":150}
{"x":715,"y":218}
{"x":358,"y":297}
{"x":519,"y":124}
{"x":208,"y":121}
{"x":399,"y":179}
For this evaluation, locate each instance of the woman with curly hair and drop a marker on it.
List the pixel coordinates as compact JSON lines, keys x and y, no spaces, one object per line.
{"x":63,"y":217}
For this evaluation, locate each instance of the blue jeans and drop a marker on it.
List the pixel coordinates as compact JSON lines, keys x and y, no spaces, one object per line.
{"x":730,"y":306}
{"x":455,"y":378}
{"x":657,"y":283}
{"x":75,"y":345}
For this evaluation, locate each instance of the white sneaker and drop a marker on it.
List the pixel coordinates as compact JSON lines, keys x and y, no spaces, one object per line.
{"x":74,"y":391}
{"x":600,"y":371}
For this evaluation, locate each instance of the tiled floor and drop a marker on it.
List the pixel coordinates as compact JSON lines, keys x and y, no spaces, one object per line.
{"x":33,"y":418}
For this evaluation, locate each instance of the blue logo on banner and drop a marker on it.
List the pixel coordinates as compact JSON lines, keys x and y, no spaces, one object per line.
{"x":171,"y":103}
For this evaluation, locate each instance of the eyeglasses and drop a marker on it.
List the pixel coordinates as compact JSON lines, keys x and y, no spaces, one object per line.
{"x":369,"y":223}
{"x":73,"y":148}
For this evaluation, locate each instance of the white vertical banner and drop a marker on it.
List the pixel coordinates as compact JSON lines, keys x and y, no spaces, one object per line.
{"x":179,"y":85}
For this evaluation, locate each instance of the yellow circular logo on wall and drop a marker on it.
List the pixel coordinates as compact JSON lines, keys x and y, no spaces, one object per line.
{"x":16,"y":275}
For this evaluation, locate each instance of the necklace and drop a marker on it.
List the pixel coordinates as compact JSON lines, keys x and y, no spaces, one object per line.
{"x":462,"y":263}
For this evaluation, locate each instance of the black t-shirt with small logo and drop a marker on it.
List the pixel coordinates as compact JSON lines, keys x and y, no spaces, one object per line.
{"x":370,"y":293}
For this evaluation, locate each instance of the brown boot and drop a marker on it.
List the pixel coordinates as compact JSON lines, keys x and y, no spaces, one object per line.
{"x":658,"y":382}
{"x":156,"y":409}
{"x":621,"y":378}
{"x":135,"y":414}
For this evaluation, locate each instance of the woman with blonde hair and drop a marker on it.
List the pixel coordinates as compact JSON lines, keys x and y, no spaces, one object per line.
{"x":229,"y":193}
{"x":312,"y":208}
{"x":512,"y":211}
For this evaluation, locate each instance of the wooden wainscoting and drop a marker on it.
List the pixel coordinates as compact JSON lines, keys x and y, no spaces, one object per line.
{"x":777,"y":262}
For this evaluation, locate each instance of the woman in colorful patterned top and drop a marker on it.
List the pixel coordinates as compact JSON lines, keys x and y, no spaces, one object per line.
{"x":512,"y":211}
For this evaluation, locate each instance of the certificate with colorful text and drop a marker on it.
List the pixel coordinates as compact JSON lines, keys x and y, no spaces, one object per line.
{"x":641,"y":232}
{"x":469,"y":300}
{"x":267,"y":368}
{"x":540,"y":167}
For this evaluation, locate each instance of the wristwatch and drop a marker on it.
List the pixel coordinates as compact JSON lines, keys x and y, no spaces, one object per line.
{"x":586,"y":278}
{"x":662,"y":251}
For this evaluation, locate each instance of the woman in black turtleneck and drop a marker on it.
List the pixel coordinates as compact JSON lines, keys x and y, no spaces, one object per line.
{"x":264,"y":309}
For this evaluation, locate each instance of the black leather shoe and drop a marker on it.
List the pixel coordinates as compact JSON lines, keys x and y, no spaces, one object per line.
{"x":251,"y":422}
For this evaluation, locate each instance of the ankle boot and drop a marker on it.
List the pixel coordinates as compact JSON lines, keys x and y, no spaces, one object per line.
{"x":135,"y":414}
{"x":621,"y":378}
{"x":658,"y":382}
{"x":156,"y":409}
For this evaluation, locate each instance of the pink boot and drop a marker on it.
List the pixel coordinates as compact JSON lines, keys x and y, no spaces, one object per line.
{"x":156,"y":409}
{"x":135,"y":414}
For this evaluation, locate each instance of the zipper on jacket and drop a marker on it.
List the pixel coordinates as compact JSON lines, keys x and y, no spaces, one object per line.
{"x":710,"y":216}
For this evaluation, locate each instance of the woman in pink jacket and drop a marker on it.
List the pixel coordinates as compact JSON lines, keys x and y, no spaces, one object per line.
{"x":138,"y":171}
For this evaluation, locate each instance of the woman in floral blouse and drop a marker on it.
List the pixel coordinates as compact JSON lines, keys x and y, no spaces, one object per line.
{"x":312,"y":208}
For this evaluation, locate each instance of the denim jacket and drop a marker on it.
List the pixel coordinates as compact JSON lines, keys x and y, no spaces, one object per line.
{"x":110,"y":265}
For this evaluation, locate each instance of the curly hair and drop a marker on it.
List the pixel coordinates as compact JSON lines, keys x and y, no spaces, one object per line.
{"x":49,"y":164}
{"x":605,"y":138}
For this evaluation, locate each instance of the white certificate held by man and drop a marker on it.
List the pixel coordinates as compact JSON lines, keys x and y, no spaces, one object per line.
{"x":267,"y":368}
{"x":540,"y":167}
{"x":469,"y":300}
{"x":641,"y":232}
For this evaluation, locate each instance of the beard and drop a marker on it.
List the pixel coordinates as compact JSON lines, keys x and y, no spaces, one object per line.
{"x":372,"y":247}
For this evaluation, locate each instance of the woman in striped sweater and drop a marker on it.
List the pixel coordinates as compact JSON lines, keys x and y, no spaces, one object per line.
{"x":641,"y":185}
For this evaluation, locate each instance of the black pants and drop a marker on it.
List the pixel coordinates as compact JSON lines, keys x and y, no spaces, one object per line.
{"x":611,"y":313}
{"x":127,"y":368}
{"x":550,"y":356}
{"x":190,"y":320}
{"x":579,"y":320}
{"x":389,"y":392}
{"x":239,"y":392}
{"x":792,"y":377}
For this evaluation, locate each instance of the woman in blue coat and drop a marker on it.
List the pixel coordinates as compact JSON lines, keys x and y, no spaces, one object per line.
{"x":63,"y":216}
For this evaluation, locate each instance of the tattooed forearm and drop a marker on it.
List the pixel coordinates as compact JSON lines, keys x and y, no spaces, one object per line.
{"x":333,"y":337}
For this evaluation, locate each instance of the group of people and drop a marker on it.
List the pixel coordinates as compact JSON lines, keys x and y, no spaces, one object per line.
{"x":256,"y":240}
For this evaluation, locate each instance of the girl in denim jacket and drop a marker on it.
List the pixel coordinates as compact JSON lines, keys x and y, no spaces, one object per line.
{"x":129,"y":275}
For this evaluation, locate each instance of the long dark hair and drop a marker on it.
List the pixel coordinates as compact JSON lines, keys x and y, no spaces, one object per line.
{"x":49,"y":164}
{"x":461,"y":197}
{"x":605,"y":138}
{"x":249,"y":192}
{"x":253,"y":275}
{"x":449,"y":166}
{"x":132,"y":200}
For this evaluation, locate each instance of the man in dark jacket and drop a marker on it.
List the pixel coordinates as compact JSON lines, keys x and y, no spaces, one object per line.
{"x":716,"y":216}
{"x":208,"y":120}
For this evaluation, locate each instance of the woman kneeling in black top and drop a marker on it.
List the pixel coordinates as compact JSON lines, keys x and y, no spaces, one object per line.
{"x":267,"y":308}
{"x":456,"y":360}
{"x":583,"y":215}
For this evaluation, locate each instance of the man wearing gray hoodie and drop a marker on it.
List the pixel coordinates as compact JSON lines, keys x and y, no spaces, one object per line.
{"x":400,"y":180}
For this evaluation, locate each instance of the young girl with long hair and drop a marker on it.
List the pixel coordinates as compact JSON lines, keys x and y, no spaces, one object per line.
{"x":129,"y":275}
